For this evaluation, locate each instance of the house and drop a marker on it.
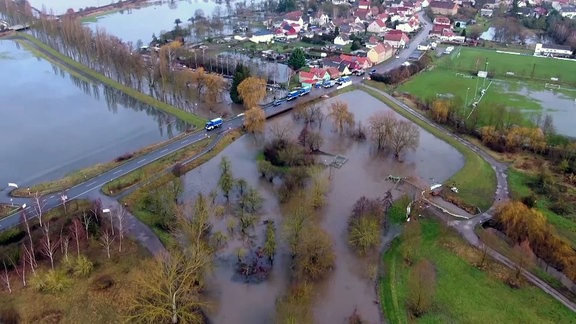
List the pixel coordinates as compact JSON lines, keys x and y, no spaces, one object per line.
{"x":447,"y":8}
{"x":380,"y":53}
{"x":441,"y":20}
{"x":362,"y":15}
{"x":486,"y":12}
{"x":262,"y":36}
{"x":344,"y":69}
{"x":320,"y":19}
{"x":396,"y":38}
{"x":342,"y":40}
{"x":333,"y":72}
{"x":492,"y":4}
{"x":320,"y":74}
{"x":294,"y":17}
{"x":357,"y":62}
{"x":552,"y":50}
{"x":364,"y":4}
{"x":408,"y":27}
{"x":372,"y":42}
{"x":377,"y":26}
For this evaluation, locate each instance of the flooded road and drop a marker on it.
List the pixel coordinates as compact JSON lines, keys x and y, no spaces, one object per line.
{"x":349,"y":286}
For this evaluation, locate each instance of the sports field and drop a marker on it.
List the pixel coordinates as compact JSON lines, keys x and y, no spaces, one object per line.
{"x":500,"y":65}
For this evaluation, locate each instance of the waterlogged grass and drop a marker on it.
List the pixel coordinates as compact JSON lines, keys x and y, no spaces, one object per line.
{"x":464,"y":294}
{"x":476,"y":181}
{"x":471,"y":60}
{"x":518,"y":182}
{"x":441,"y":82}
{"x":70,"y":64}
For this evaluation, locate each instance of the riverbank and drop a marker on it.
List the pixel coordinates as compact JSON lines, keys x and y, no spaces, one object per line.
{"x":83,"y":72}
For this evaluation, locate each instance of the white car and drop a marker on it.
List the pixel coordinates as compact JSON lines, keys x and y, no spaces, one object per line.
{"x":397,"y":56}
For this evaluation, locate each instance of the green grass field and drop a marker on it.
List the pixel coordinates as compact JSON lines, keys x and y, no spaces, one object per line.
{"x":499,"y":64}
{"x":519,"y":188}
{"x":464,"y":294}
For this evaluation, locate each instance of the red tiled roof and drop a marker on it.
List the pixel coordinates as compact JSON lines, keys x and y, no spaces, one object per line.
{"x":293,"y":15}
{"x":395,"y":35}
{"x":305,"y":75}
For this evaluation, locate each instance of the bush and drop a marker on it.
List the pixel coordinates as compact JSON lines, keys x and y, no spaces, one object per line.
{"x":313,"y":255}
{"x":53,"y":281}
{"x":11,"y":236}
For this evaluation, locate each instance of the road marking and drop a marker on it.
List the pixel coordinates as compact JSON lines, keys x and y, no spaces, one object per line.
{"x":164,"y":150}
{"x":90,"y":184}
{"x":117,"y":171}
{"x":185,"y":141}
{"x":141,"y":161}
{"x":51,"y":197}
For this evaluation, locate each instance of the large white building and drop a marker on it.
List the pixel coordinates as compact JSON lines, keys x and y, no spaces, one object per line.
{"x":552,"y":50}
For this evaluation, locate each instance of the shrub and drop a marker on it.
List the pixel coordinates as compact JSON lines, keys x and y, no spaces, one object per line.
{"x":53,"y":281}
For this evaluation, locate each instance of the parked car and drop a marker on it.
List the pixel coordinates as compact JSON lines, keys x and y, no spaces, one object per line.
{"x":276,"y":103}
{"x":329,"y":84}
{"x":373,"y":71}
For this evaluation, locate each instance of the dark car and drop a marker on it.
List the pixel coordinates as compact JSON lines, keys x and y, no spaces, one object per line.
{"x":373,"y":71}
{"x":276,"y":103}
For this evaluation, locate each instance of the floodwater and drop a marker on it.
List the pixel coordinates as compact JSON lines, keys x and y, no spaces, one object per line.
{"x":234,"y":300}
{"x":348,"y":286}
{"x":559,"y":103}
{"x":59,"y":7}
{"x":52,"y":123}
{"x":155,"y":17}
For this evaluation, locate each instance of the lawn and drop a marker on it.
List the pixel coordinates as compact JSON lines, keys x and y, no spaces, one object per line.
{"x":519,"y":187}
{"x":7,"y":210}
{"x":476,"y":181}
{"x":464,"y":294}
{"x":442,"y":82}
{"x":470,"y":60}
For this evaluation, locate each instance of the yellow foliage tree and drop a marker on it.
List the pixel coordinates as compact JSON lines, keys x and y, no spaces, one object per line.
{"x":341,"y":116}
{"x":440,"y":110}
{"x":252,"y":90}
{"x":254,"y":120}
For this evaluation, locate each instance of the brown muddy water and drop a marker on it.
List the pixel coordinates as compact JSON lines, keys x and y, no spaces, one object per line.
{"x":350,"y":285}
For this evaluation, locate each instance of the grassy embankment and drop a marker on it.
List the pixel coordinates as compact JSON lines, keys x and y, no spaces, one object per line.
{"x":100,"y":297}
{"x":82,"y":175}
{"x":476,"y":181}
{"x":7,"y":210}
{"x":85,"y":73}
{"x":135,"y":200}
{"x":150,"y":170}
{"x":464,"y":293}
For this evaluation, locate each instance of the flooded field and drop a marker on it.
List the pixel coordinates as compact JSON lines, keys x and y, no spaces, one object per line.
{"x":52,"y":123}
{"x":349,"y":286}
{"x":59,"y":7}
{"x":560,"y":103}
{"x":156,"y":17}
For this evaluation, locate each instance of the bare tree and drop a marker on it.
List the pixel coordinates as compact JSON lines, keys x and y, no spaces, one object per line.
{"x":32,"y":253}
{"x":106,"y":240}
{"x":421,"y":287}
{"x":39,"y":204}
{"x":341,"y":116}
{"x":49,"y":245}
{"x":121,"y":218}
{"x":64,"y":245}
{"x":405,"y":136}
{"x":6,"y":277}
{"x":382,"y":126}
{"x":21,"y":274}
{"x":77,"y":233}
{"x":29,"y":257}
{"x":86,"y":220}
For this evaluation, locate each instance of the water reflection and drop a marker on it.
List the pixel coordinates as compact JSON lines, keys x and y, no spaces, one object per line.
{"x":53,"y":122}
